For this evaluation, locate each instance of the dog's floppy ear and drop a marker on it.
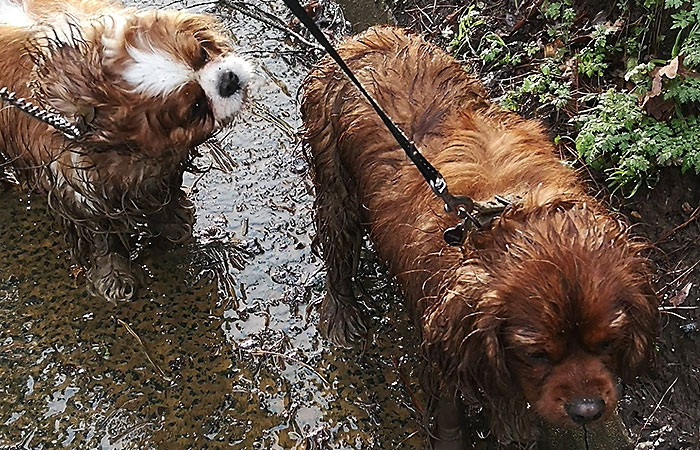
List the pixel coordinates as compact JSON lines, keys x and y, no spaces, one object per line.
{"x":640,"y":330}
{"x":462,"y":333}
{"x":68,"y":76}
{"x":484,"y":359}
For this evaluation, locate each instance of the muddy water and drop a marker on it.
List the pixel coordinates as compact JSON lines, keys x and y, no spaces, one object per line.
{"x":221,"y":349}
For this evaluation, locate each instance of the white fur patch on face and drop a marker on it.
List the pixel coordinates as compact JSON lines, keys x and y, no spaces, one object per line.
{"x":13,"y":14}
{"x":153,"y":72}
{"x":210,"y":77}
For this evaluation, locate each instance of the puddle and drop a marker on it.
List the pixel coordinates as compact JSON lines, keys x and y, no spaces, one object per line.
{"x":220,"y":350}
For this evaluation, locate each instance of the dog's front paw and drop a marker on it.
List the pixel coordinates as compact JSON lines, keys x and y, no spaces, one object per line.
{"x":113,"y":277}
{"x":342,"y":319}
{"x":177,"y":233}
{"x":178,"y":222}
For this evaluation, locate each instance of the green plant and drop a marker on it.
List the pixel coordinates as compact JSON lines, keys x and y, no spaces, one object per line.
{"x":560,"y":15}
{"x":472,"y":40}
{"x":591,"y":60}
{"x":685,"y":15}
{"x":616,"y":136}
{"x":492,"y":49}
{"x":466,"y":30}
{"x":683,"y":91}
{"x":548,"y":86}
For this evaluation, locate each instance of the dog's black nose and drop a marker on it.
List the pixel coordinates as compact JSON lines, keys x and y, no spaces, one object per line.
{"x":585,"y":410}
{"x":228,"y":84}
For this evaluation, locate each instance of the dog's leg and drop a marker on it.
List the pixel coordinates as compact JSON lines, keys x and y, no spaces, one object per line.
{"x":340,"y":233}
{"x":175,"y":223}
{"x":112,"y":274}
{"x":449,"y":424}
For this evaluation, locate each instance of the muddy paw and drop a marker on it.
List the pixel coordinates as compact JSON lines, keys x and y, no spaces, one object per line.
{"x":342,"y":320}
{"x":179,"y":233}
{"x":178,"y":222}
{"x":113,"y":278}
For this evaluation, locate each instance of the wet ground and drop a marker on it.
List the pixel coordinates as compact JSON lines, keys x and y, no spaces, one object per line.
{"x":221,"y":348}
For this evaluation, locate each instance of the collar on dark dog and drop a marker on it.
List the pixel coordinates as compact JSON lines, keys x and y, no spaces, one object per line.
{"x":484,"y":213}
{"x":60,"y":123}
{"x":470,"y":213}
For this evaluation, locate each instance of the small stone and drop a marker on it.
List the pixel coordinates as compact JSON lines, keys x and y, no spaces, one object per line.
{"x":299,"y":166}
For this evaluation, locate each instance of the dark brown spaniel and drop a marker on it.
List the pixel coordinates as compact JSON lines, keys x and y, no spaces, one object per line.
{"x":546,"y":307}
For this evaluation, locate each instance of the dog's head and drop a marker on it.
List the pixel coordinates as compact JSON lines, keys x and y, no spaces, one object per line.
{"x":148,"y":81}
{"x":562,"y":306}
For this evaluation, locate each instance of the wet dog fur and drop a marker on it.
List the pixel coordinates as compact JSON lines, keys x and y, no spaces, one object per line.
{"x":541,"y":312}
{"x":147,"y":86}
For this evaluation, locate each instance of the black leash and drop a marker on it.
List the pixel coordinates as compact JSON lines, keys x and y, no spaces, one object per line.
{"x":461,"y":206}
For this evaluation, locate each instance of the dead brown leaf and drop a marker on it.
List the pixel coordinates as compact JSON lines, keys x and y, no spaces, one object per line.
{"x":551,"y":48}
{"x":658,"y":107}
{"x":680,"y":297}
{"x":654,"y":104}
{"x":670,"y":70}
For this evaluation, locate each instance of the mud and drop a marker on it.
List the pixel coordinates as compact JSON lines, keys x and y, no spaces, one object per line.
{"x":220,"y":350}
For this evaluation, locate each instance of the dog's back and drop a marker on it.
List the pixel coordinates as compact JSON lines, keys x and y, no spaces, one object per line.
{"x":479,"y":149}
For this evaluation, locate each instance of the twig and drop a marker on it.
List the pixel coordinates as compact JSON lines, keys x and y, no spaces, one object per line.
{"x":679,"y":277}
{"x":199,"y":178}
{"x":693,"y":216}
{"x":243,"y":8}
{"x":671,"y":313}
{"x":143,"y":347}
{"x":646,"y":422}
{"x":406,"y":386}
{"x":290,"y":358}
{"x":400,"y":443}
{"x":527,"y":16}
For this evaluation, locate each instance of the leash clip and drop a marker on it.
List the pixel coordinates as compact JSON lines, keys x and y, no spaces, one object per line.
{"x":479,"y":215}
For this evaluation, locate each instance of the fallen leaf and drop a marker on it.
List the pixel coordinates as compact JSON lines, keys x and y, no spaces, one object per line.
{"x":551,"y":48}
{"x":680,"y":297}
{"x":656,"y":83}
{"x":670,"y":70}
{"x":658,"y":107}
{"x":653,"y":103}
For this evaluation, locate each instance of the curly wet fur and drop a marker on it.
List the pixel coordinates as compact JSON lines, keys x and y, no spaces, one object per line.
{"x":556,"y":276}
{"x":122,"y":181}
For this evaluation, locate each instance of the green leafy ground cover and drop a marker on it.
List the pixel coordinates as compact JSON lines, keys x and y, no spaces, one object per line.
{"x":619,"y":80}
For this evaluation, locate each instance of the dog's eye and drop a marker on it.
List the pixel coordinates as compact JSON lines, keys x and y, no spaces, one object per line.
{"x":604,"y":346}
{"x":198,"y":109}
{"x":203,"y":55}
{"x":538,"y":356}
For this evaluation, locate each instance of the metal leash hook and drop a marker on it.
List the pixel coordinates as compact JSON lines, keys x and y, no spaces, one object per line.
{"x":476,"y":215}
